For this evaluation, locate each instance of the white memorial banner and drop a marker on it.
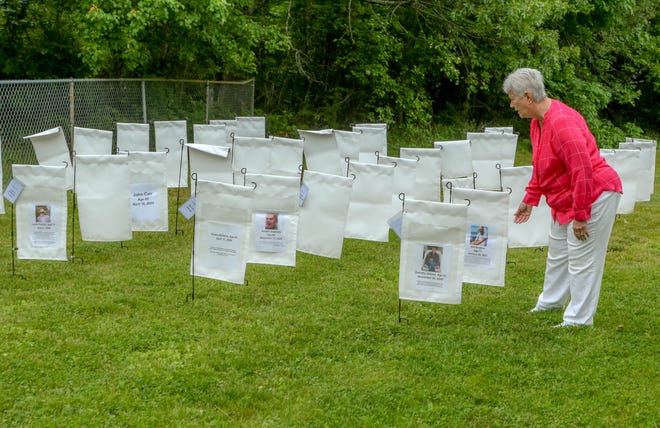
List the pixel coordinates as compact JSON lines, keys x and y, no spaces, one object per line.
{"x":535,"y":231}
{"x":499,"y":129}
{"x":275,"y":215}
{"x":41,"y":212}
{"x":251,"y":126}
{"x":448,"y":184}
{"x":286,"y":156}
{"x":171,"y":138}
{"x":222,"y":231}
{"x":88,"y":141}
{"x":321,"y":152}
{"x":490,"y":150}
{"x":51,"y":149}
{"x":456,"y":158}
{"x":2,"y":185}
{"x":404,"y":181}
{"x":148,"y":183}
{"x":626,"y":163}
{"x":646,"y":166}
{"x":371,"y":202}
{"x":432,"y":248}
{"x":374,"y":139}
{"x":212,"y":135}
{"x":103,"y":192}
{"x":486,"y":235}
{"x":132,"y":137}
{"x":210,"y":162}
{"x":252,"y":155}
{"x":429,"y":171}
{"x":323,"y":214}
{"x":230,"y":128}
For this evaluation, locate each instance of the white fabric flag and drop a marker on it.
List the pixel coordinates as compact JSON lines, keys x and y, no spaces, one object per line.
{"x":103,"y":193}
{"x":321,"y":152}
{"x":646,"y":166}
{"x":171,"y":137}
{"x":429,"y":171}
{"x":374,"y":139}
{"x":448,"y":184}
{"x":486,"y":235}
{"x":41,"y":212}
{"x":148,"y":191}
{"x":404,"y":180}
{"x":2,"y":185}
{"x":210,"y":162}
{"x":323,"y":214}
{"x":275,"y":215}
{"x":230,"y":128}
{"x":132,"y":137}
{"x":252,"y":155}
{"x":286,"y":156}
{"x":51,"y":149}
{"x":88,"y":141}
{"x":456,"y":158}
{"x":222,"y":231}
{"x":371,"y":201}
{"x":491,"y":151}
{"x":251,"y":126}
{"x":213,"y":135}
{"x":348,"y":144}
{"x":432,"y":248}
{"x":535,"y":231}
{"x":626,"y":163}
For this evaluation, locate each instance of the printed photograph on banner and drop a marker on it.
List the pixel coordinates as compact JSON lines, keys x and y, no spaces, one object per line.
{"x":430,"y":275}
{"x":224,"y":245}
{"x":270,"y":231}
{"x":144,"y":198}
{"x":44,"y":230}
{"x":477,"y":248}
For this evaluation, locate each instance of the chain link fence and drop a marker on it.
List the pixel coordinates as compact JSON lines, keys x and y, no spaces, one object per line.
{"x":31,"y":106}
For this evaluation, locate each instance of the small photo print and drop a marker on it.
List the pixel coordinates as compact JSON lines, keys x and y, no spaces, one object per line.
{"x":478,"y":235}
{"x":42,"y":214}
{"x":431,"y":258}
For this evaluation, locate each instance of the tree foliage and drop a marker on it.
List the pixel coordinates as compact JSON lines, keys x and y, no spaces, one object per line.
{"x":335,"y":62}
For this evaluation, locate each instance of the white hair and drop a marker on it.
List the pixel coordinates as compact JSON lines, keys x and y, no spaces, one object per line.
{"x":525,"y":80}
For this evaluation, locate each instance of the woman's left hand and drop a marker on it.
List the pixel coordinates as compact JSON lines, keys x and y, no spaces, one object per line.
{"x":580,"y":229}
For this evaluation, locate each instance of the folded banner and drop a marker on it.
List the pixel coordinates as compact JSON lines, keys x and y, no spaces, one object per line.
{"x":429,"y":171}
{"x":51,"y":149}
{"x":456,"y":158}
{"x":88,"y":141}
{"x":222,"y":231}
{"x":148,"y":183}
{"x":535,"y":231}
{"x":213,"y":135}
{"x":132,"y":137}
{"x":432,"y":252}
{"x":646,"y":166}
{"x":371,"y":202}
{"x":275,"y":215}
{"x":321,"y":152}
{"x":626,"y":163}
{"x":486,"y":235}
{"x":210,"y":162}
{"x":103,"y":193}
{"x":41,"y":212}
{"x":491,"y":151}
{"x":323,"y":214}
{"x":171,"y":138}
{"x":251,"y":126}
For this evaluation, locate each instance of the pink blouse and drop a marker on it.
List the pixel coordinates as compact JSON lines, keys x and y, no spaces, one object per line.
{"x":567,"y":166}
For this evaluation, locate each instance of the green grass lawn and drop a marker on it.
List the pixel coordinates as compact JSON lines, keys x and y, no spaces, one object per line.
{"x":111,"y":340}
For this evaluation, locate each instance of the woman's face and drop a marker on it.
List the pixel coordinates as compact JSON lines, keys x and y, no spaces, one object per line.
{"x":521,"y":104}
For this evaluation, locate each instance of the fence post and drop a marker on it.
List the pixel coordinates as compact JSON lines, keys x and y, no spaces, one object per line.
{"x":144,"y":102}
{"x":72,"y":114}
{"x":208,"y":101}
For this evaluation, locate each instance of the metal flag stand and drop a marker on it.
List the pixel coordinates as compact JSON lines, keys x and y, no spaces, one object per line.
{"x":178,"y":190}
{"x":191,"y":295}
{"x":14,"y":248}
{"x":402,"y":198}
{"x":74,"y":207}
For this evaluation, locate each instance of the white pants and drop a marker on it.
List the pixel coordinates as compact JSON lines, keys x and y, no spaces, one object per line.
{"x":575,"y":268}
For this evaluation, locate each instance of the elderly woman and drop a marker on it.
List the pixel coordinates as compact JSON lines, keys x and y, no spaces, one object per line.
{"x":582,"y":190}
